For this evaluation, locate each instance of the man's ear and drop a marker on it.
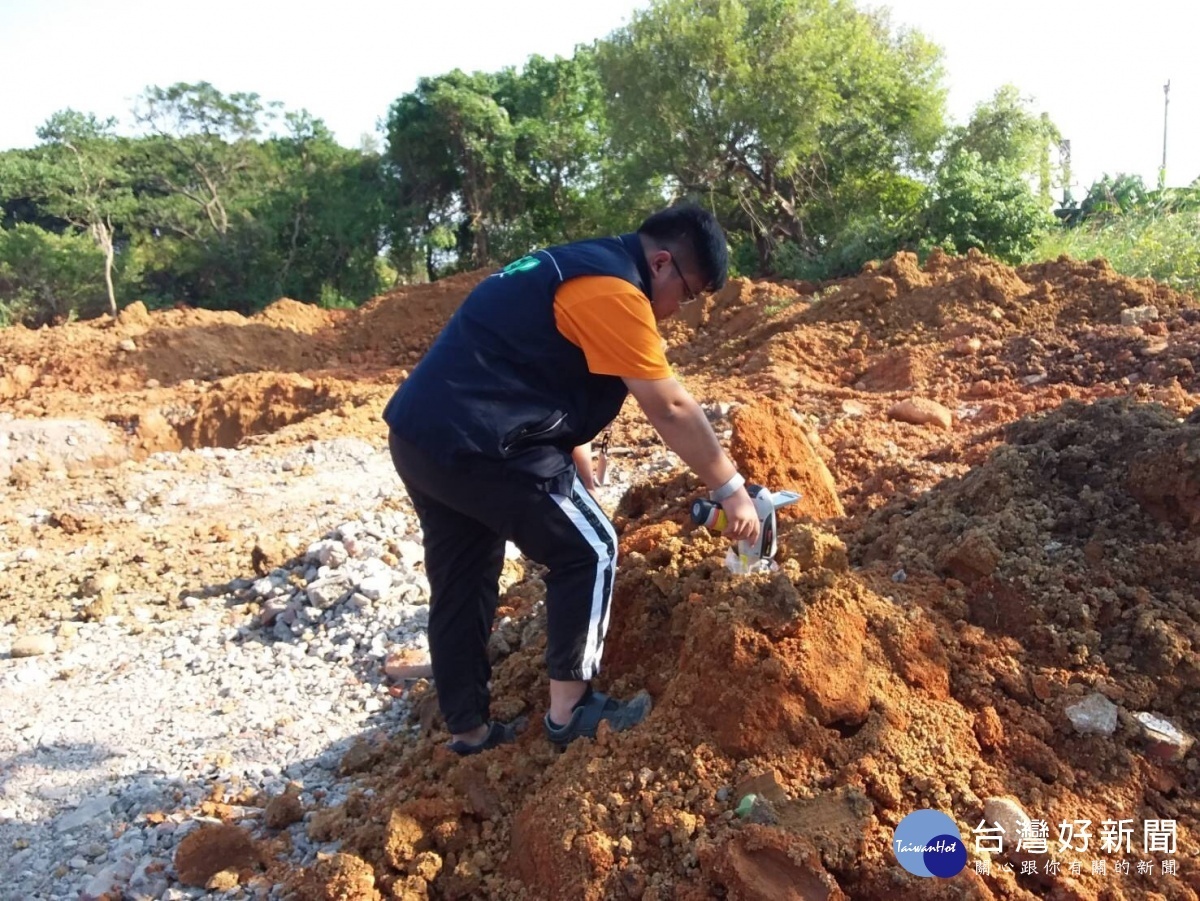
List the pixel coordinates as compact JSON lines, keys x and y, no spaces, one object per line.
{"x":659,"y":259}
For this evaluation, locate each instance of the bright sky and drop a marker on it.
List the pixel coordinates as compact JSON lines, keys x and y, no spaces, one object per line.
{"x":1098,"y":67}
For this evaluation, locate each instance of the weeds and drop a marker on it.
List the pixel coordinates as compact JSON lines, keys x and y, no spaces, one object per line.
{"x":1164,"y":246}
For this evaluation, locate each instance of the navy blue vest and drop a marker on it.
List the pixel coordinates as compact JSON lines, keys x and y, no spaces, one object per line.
{"x":501,"y":391}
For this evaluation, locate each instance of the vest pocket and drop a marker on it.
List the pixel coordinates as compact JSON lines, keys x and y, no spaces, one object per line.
{"x":540,"y":432}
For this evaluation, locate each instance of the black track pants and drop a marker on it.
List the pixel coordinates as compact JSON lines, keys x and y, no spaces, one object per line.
{"x":466,"y":520}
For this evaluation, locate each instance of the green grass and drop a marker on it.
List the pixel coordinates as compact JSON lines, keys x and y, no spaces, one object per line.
{"x":1161,"y":246}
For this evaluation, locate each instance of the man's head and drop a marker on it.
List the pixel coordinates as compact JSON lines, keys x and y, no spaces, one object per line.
{"x":685,"y":250}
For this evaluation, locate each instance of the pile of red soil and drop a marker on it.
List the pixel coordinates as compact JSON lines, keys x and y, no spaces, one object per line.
{"x":842,"y":700}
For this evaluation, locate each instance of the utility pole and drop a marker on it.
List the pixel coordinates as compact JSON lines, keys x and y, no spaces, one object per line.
{"x":1162,"y":172}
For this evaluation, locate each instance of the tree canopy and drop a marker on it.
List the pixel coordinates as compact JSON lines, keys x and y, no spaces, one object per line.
{"x":814,"y":129}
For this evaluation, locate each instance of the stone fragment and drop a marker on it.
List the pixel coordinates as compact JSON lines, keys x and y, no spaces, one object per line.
{"x":1094,"y":715}
{"x":1163,"y":739}
{"x":1138,"y":315}
{"x":921,"y":411}
{"x":324,"y":593}
{"x":86,"y":812}
{"x":103,"y":582}
{"x":271,"y":609}
{"x":1009,"y":816}
{"x":376,"y":585}
{"x":33,"y":646}
{"x":408,"y":664}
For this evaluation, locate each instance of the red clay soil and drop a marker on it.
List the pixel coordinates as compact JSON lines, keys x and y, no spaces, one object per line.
{"x":944,"y":594}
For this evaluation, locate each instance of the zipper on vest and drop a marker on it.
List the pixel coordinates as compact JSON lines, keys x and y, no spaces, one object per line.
{"x":526,"y":436}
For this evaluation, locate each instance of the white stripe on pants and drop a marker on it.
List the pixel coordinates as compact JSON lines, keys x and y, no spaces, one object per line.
{"x":578,"y":507}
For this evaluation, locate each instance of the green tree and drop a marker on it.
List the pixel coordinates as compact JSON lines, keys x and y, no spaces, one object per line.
{"x":450,"y":144}
{"x":76,"y":176}
{"x":207,"y":143}
{"x":327,"y":214}
{"x":1005,"y":130}
{"x":989,"y":206}
{"x":781,"y":113}
{"x":570,"y":183}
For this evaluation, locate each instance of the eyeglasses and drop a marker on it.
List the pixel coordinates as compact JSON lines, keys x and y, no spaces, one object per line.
{"x":692,"y":297}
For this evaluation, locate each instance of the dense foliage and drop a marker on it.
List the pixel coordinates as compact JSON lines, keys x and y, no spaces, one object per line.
{"x":1142,"y":233}
{"x":815,"y":130}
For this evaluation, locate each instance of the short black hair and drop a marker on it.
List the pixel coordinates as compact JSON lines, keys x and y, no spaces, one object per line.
{"x":697,"y":230}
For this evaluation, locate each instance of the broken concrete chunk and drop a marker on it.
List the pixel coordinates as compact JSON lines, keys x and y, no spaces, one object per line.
{"x":324,"y":593}
{"x":1094,"y":715}
{"x":1138,"y":315}
{"x":1163,"y":740}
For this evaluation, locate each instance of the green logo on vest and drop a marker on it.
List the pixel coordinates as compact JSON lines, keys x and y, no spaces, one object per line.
{"x":522,"y":265}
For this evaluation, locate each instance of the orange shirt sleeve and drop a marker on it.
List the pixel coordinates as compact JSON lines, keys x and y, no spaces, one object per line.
{"x":611,"y":322}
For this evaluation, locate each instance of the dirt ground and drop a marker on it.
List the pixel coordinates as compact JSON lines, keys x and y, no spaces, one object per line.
{"x":1001,"y":517}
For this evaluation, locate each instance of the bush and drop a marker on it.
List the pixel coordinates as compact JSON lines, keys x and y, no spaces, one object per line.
{"x":48,"y":277}
{"x":988,"y":206}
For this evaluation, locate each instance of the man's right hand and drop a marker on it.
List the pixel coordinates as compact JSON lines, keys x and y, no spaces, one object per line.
{"x":741,"y":517}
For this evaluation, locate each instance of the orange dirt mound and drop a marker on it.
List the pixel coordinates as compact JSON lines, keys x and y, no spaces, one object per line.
{"x":900,"y":303}
{"x":1080,"y":538}
{"x":399,"y":326}
{"x":296,"y":316}
{"x":771,"y":449}
{"x":843,"y":700}
{"x":259,"y":403}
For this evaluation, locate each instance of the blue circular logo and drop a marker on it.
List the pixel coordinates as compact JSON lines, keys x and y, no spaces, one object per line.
{"x":927,"y":843}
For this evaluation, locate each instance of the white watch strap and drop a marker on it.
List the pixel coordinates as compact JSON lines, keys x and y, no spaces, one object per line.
{"x":729,"y":489}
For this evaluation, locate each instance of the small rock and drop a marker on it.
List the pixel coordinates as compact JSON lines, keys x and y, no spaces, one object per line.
{"x":1009,"y":816}
{"x":989,"y":729}
{"x":1094,"y":715}
{"x":127,"y":345}
{"x":324,"y":593}
{"x":271,"y":609}
{"x":103,"y":582}
{"x":408,"y":664}
{"x":921,"y":411}
{"x":376,"y":585}
{"x":966,"y":347}
{"x":1138,"y":315}
{"x":410,"y":553}
{"x":33,"y":646}
{"x":1163,"y":740}
{"x":85,"y":813}
{"x":222,"y":881}
{"x":328,"y":552}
